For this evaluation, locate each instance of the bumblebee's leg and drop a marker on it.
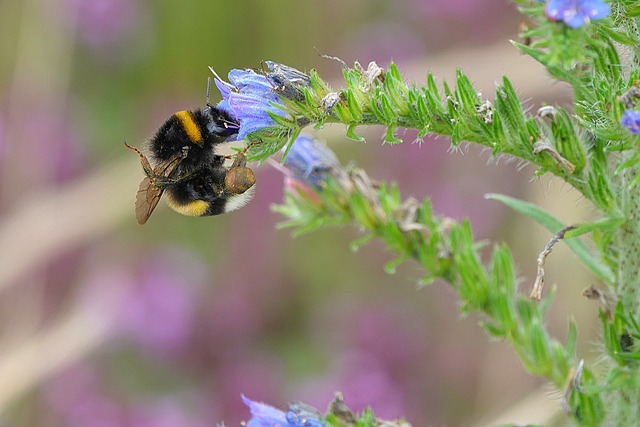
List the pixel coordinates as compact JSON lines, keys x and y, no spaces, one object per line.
{"x":168,"y":181}
{"x":146,"y":166}
{"x":240,"y":159}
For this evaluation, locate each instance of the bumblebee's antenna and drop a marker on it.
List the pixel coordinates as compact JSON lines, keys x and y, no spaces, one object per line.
{"x":208,"y":92}
{"x":227,"y":84}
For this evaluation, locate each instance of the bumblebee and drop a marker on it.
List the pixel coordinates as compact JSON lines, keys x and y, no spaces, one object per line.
{"x":185,"y":167}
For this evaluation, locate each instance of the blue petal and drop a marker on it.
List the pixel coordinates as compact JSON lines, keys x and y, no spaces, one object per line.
{"x":224,"y":89}
{"x":249,"y":97}
{"x":576,"y":13}
{"x":595,"y":9}
{"x":247,"y":106}
{"x":249,"y":80}
{"x":224,"y":106}
{"x":631,"y":121}
{"x":558,"y":9}
{"x":302,"y":415}
{"x":575,"y":20}
{"x":253,"y":126}
{"x":264,"y":415}
{"x":310,"y":161}
{"x":252,"y":98}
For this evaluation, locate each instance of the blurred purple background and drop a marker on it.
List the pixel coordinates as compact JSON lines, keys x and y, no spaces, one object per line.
{"x":193,"y":311}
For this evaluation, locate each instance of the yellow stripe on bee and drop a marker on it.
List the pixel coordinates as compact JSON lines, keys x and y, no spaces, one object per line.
{"x":193,"y":208}
{"x":190,"y":126}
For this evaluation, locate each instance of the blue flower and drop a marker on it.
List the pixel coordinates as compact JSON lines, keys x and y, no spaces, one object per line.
{"x":631,"y":121}
{"x":309,"y":160}
{"x":249,"y":97}
{"x":263,"y":415}
{"x":576,"y":13}
{"x":302,"y":415}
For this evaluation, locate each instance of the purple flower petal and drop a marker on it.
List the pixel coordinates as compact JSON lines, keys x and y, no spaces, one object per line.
{"x":301,"y":415}
{"x":263,"y":415}
{"x":631,"y":121}
{"x":248,"y":106}
{"x":298,"y":415}
{"x":595,"y":9}
{"x":575,"y":20}
{"x":310,"y":160}
{"x":249,"y":98}
{"x":224,"y":89}
{"x":249,"y":80}
{"x":576,"y":13}
{"x":559,"y":10}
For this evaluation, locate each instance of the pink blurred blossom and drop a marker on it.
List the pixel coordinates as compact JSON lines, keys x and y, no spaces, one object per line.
{"x":252,"y":373}
{"x":166,"y":412}
{"x":52,"y":143}
{"x":363,"y":380}
{"x":386,"y":41}
{"x":232,"y":318}
{"x":82,"y":397}
{"x":159,"y":310}
{"x":2,"y":142}
{"x":456,"y":182}
{"x":75,"y":395}
{"x":105,"y":24}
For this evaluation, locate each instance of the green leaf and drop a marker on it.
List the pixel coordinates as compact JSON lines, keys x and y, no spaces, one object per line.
{"x":391,"y":266}
{"x":354,"y":106}
{"x":493,"y":330}
{"x":547,"y":60}
{"x":604,"y":224}
{"x":456,"y":139}
{"x":393,"y":72}
{"x":285,"y":122}
{"x":390,"y":136}
{"x":351,"y":133}
{"x":539,"y":343}
{"x":554,"y":225}
{"x":572,"y":338}
{"x":387,"y":109}
{"x":292,"y":139}
{"x":361,"y":241}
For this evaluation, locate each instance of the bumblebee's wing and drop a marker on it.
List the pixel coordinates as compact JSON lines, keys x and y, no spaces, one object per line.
{"x":147,"y":199}
{"x":164,"y":170}
{"x":152,"y":186}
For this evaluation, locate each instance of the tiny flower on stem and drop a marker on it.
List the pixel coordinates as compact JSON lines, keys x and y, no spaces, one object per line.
{"x":309,"y":161}
{"x":631,"y":121}
{"x":307,"y":165}
{"x":263,"y":415}
{"x":576,"y":13}
{"x":253,"y":98}
{"x":249,"y":97}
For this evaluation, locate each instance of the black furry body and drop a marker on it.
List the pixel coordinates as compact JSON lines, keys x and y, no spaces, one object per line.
{"x":186,"y":168}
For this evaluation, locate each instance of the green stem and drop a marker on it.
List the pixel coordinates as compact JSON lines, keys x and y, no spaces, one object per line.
{"x":628,"y":287}
{"x":624,"y":401}
{"x":625,"y":408}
